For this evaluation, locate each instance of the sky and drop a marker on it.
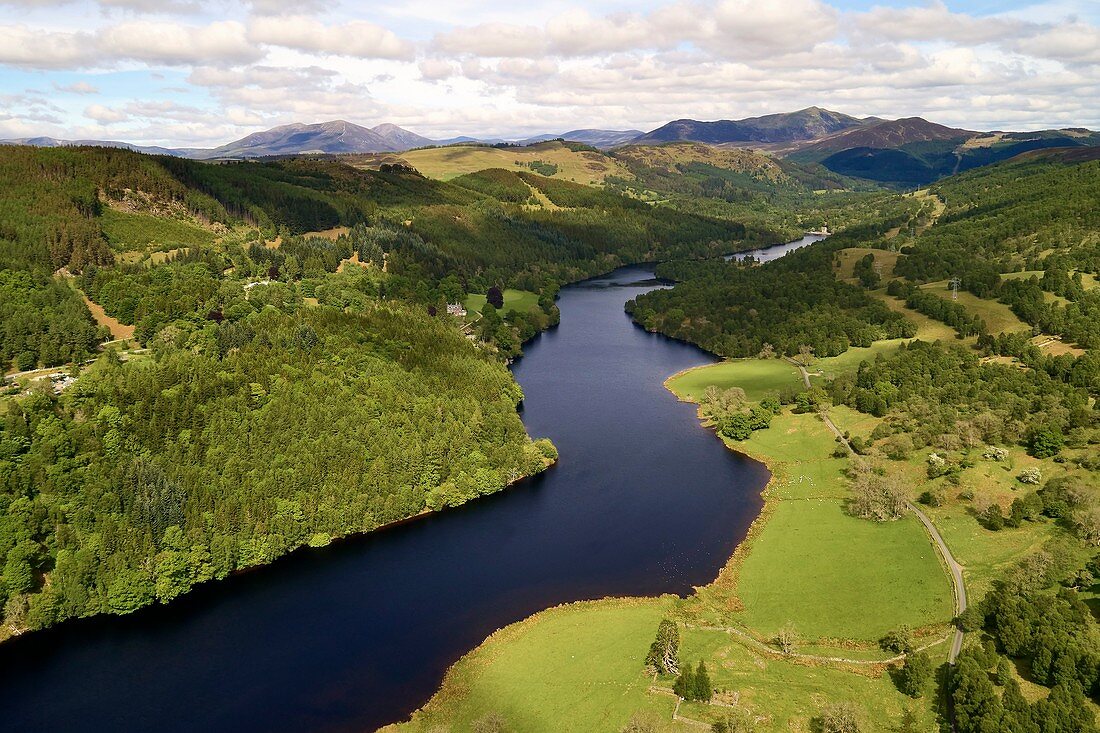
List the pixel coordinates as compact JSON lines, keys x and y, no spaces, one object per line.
{"x":199,"y":73}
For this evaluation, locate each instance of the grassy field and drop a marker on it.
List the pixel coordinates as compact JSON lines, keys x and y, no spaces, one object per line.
{"x":573,"y":668}
{"x":787,"y":696}
{"x":517,"y":300}
{"x":586,"y":167}
{"x":129,"y":232}
{"x":811,"y":564}
{"x":834,"y":576}
{"x":985,"y":554}
{"x":928,"y":329}
{"x":833,"y":366}
{"x":846,"y":260}
{"x":757,"y":377}
{"x":1022,"y":275}
{"x":998,"y":317}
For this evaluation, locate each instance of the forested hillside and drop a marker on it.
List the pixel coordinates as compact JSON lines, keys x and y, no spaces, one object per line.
{"x":54,"y":217}
{"x":238,"y":442}
{"x":735,"y":308}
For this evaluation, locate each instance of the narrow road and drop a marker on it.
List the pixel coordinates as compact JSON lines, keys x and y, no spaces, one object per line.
{"x":956,"y":577}
{"x":949,"y":561}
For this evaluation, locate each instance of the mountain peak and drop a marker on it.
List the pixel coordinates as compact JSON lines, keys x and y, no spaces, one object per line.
{"x":805,"y":124}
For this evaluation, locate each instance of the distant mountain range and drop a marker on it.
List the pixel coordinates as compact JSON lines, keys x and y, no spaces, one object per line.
{"x":806,"y":124}
{"x":53,"y":142}
{"x":909,"y":151}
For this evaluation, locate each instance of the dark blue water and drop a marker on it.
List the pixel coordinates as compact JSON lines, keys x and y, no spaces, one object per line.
{"x":643,"y":501}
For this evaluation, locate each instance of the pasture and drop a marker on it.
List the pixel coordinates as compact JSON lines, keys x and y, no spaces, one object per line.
{"x":517,"y":300}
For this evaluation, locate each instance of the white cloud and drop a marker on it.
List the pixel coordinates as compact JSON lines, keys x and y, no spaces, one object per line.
{"x":436,"y":69}
{"x":747,"y":26}
{"x":177,"y":44}
{"x":43,"y":49}
{"x":154,"y":43}
{"x":80,"y":87}
{"x":1074,"y":42}
{"x":935,"y":21}
{"x":498,"y":67}
{"x":493,"y":39}
{"x":104,"y":115}
{"x":354,"y":38}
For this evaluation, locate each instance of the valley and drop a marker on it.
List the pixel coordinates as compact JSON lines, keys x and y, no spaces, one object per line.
{"x":224,"y":391}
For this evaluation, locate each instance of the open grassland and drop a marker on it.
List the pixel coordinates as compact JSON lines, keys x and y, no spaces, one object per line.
{"x":517,"y":300}
{"x":810,"y":564}
{"x":1022,"y":275}
{"x":573,"y":668}
{"x":133,"y":232}
{"x":670,"y":157}
{"x":787,"y":696}
{"x":998,"y":317}
{"x":846,"y":260}
{"x":849,"y":361}
{"x":853,"y":421}
{"x":928,"y":329}
{"x":587,"y":167}
{"x":757,"y":377}
{"x":835,"y":576}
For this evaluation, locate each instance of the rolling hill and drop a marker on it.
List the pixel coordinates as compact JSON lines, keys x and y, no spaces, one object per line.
{"x":558,"y":160}
{"x":914,"y":151}
{"x":602,"y":139}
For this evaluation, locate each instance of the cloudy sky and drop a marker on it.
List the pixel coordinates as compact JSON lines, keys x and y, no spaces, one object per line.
{"x":203,"y":72}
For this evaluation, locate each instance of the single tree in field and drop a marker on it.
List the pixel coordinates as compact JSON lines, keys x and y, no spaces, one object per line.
{"x":805,"y":355}
{"x":766,"y":352}
{"x":703,"y":687}
{"x":663,"y":656}
{"x":898,"y":641}
{"x":909,"y":722}
{"x":684,"y":686}
{"x":495,"y":297}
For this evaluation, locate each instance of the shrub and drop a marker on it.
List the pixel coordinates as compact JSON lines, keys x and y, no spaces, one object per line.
{"x":933,"y":497}
{"x":1030,"y":476}
{"x":991,"y":518}
{"x":898,"y":641}
{"x":839,"y":717}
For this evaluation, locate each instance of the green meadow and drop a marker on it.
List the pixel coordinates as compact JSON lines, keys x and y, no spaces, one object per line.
{"x":572,"y":668}
{"x":757,"y":377}
{"x":517,"y":300}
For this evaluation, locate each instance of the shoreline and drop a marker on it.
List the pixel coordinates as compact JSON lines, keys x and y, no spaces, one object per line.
{"x":731,"y":563}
